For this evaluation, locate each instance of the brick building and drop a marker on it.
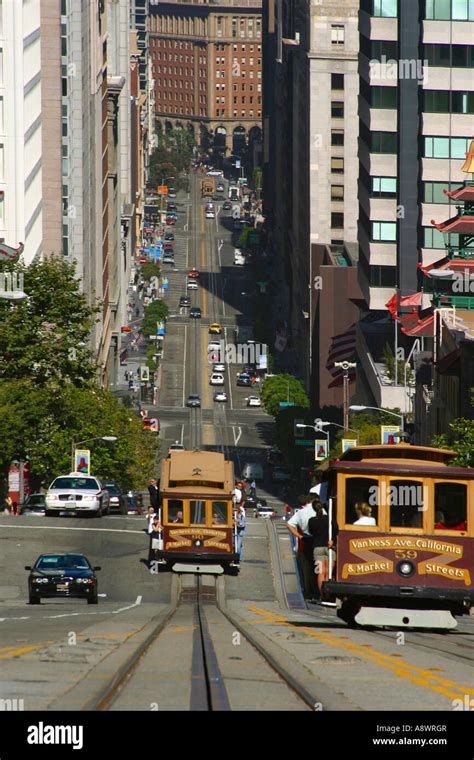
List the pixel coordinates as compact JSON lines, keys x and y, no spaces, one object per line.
{"x":207,"y":68}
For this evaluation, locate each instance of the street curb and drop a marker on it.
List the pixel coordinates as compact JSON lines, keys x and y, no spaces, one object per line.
{"x":96,"y":689}
{"x":278,"y":581}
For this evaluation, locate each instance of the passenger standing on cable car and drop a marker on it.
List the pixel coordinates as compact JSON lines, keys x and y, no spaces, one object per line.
{"x":318,"y":527}
{"x":241,"y":523}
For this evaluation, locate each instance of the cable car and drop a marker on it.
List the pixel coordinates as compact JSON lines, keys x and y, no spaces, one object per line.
{"x":405,"y":547}
{"x":196,"y":513}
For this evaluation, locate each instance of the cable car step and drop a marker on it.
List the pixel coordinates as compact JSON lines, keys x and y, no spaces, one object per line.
{"x":191,"y":567}
{"x":401,"y":618}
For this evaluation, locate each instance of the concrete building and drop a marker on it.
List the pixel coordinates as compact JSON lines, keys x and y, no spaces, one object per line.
{"x":310,"y":169}
{"x":416,"y":108}
{"x":21,"y":147}
{"x":207,"y":63}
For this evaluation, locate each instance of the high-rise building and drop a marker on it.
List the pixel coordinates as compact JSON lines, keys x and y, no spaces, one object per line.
{"x":416,"y":109}
{"x":207,"y":64}
{"x":310,"y":174}
{"x":21,"y":205}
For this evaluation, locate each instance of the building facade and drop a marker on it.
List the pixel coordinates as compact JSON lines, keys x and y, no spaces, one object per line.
{"x":310,"y":137}
{"x":416,"y":107}
{"x":21,"y":146}
{"x":207,"y":64}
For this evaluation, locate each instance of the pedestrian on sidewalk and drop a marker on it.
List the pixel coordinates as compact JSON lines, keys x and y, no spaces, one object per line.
{"x":253,"y":489}
{"x":241,"y":523}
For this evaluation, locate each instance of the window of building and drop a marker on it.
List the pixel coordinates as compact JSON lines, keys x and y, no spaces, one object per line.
{"x":243,"y":114}
{"x":337,"y":192}
{"x":250,"y":87}
{"x":242,"y":60}
{"x":450,"y":56}
{"x":448,"y":101}
{"x":243,"y":100}
{"x":383,"y":142}
{"x":445,"y":147}
{"x":337,"y":81}
{"x":235,"y":87}
{"x":337,"y":137}
{"x":384,"y":187}
{"x":434,"y":191}
{"x":337,"y":109}
{"x":450,"y":10}
{"x":235,"y":100}
{"x":258,"y":24}
{"x":251,"y":61}
{"x":337,"y":165}
{"x":251,"y":74}
{"x":242,"y":27}
{"x":383,"y":97}
{"x":387,"y":8}
{"x":219,"y":26}
{"x":337,"y":220}
{"x":259,"y":88}
{"x":251,"y":113}
{"x":384,"y":231}
{"x":337,"y":34}
{"x":235,"y":114}
{"x":2,"y":164}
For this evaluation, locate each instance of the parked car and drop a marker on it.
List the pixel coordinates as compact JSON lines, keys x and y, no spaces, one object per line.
{"x":62,"y":575}
{"x":193,"y":400}
{"x":34,"y":504}
{"x":252,"y":471}
{"x":117,"y":501}
{"x":170,"y":220}
{"x":244,"y":381}
{"x":168,"y":258}
{"x":262,"y":510}
{"x":219,"y":367}
{"x":239,"y":258}
{"x":213,"y":345}
{"x":227,"y":205}
{"x":77,"y":494}
{"x":169,"y":236}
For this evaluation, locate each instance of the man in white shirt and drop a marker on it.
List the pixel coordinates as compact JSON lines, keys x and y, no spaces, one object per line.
{"x":298,"y":526}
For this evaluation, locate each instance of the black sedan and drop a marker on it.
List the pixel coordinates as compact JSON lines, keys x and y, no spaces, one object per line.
{"x":195,"y":312}
{"x":184,"y":301}
{"x":227,"y":206}
{"x":62,"y":575}
{"x":193,"y":400}
{"x":117,"y":499}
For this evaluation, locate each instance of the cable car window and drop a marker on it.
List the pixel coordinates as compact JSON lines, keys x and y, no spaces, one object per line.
{"x":450,"y":505}
{"x":175,"y":511}
{"x":407,"y":501}
{"x":362,"y":501}
{"x":220,"y":513}
{"x":197,"y":512}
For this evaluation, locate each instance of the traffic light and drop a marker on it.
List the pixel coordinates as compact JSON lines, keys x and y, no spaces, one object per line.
{"x":298,"y":432}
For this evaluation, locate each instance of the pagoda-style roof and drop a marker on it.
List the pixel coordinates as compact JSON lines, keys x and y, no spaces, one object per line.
{"x":449,"y":265}
{"x":464,"y":193}
{"x":418,"y":323}
{"x":462,"y":224}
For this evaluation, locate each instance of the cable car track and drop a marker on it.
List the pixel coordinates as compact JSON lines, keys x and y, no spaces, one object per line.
{"x":198,"y":607}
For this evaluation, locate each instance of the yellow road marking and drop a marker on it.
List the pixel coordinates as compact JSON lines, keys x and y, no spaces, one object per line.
{"x":203,"y":290}
{"x":24,"y":650}
{"x":413,"y":673}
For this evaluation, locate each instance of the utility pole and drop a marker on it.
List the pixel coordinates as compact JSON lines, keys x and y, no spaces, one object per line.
{"x":346,"y":366}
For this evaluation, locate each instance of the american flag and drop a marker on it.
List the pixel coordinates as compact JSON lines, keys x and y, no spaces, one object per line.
{"x":342,"y":349}
{"x":138,"y":338}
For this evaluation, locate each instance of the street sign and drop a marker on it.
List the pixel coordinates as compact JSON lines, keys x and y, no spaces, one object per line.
{"x":285,"y":404}
{"x":162,"y":189}
{"x":307,"y":442}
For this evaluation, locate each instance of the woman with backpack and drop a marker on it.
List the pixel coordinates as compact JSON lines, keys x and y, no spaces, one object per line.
{"x":318,"y":527}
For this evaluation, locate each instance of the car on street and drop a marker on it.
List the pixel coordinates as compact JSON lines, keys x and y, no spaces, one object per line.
{"x":192,"y":285}
{"x":168,"y":258}
{"x":34,"y":505}
{"x":62,"y":575}
{"x":117,"y":501}
{"x":195,"y":312}
{"x":244,"y":381}
{"x":252,"y":471}
{"x":176,"y":446}
{"x":184,"y":301}
{"x":281,"y":475}
{"x":171,"y":192}
{"x":218,"y":197}
{"x":254,"y":401}
{"x":170,"y":220}
{"x":193,"y":400}
{"x":216,"y":379}
{"x":77,"y":494}
{"x":239,"y":258}
{"x":213,"y":345}
{"x":215,"y":173}
{"x":220,"y":187}
{"x":171,"y":207}
{"x":210,"y":213}
{"x":193,"y":273}
{"x":227,"y":205}
{"x":215,"y":328}
{"x":219,"y":367}
{"x":262,"y":510}
{"x":169,"y":236}
{"x":220,"y":396}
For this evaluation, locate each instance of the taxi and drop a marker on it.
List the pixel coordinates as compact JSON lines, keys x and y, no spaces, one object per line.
{"x":215,"y":328}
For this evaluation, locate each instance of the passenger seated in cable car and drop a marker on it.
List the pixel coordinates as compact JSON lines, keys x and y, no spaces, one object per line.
{"x":443,"y":522}
{"x":364,"y":514}
{"x":218,"y":519}
{"x":178,"y":518}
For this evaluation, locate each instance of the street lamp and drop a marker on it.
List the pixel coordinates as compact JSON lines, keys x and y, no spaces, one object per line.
{"x":108,"y":438}
{"x":343,"y":427}
{"x":316,"y":429}
{"x":358,"y":408}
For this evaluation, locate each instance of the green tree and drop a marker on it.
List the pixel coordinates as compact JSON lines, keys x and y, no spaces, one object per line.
{"x":283,"y":388}
{"x":46,"y":336}
{"x":156,"y":311}
{"x":150,"y":270}
{"x":42,"y":423}
{"x":459,"y":438}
